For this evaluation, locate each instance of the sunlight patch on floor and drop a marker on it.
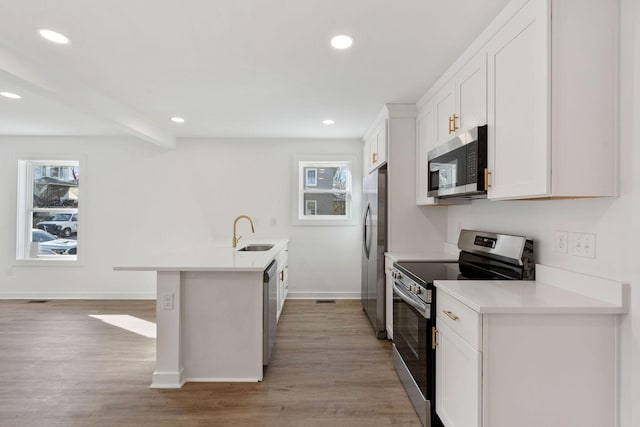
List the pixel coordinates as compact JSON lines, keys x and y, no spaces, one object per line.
{"x":130,"y":323}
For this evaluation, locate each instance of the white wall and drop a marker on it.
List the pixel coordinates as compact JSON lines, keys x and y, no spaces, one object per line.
{"x":615,"y":221}
{"x":140,"y":198}
{"x":630,"y":131}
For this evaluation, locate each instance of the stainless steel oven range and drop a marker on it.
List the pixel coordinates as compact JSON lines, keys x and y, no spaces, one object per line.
{"x":483,"y":256}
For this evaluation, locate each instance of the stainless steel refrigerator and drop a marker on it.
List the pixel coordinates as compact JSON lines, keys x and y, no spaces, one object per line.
{"x":374,"y":245}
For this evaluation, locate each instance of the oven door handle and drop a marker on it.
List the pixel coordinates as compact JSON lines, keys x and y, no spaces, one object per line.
{"x":420,"y":308}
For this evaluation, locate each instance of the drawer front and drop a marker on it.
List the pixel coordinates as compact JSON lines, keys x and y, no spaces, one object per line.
{"x":461,"y":319}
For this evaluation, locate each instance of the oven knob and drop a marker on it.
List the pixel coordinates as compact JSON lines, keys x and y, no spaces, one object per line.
{"x":397,"y":275}
{"x":418,"y":290}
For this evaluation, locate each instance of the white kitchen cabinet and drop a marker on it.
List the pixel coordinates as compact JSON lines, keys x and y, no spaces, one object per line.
{"x":552,"y":90}
{"x":458,"y":364}
{"x":525,"y":369}
{"x":461,"y":103}
{"x":375,"y":147}
{"x":471,"y":94}
{"x":283,"y":278}
{"x":458,"y":373}
{"x":444,"y":109}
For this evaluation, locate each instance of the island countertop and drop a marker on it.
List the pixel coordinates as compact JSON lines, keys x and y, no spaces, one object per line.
{"x":218,"y":256}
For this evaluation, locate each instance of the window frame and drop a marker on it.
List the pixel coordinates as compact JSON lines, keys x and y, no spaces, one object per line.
{"x":25,"y":211}
{"x":300,"y":217}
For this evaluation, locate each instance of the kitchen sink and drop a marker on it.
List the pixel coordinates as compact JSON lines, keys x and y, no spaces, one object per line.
{"x":255,"y":248}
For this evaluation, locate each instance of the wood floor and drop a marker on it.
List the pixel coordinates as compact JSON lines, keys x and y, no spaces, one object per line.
{"x":60,"y":367}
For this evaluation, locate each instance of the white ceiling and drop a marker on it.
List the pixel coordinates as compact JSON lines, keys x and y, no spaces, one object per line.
{"x":243,"y":68}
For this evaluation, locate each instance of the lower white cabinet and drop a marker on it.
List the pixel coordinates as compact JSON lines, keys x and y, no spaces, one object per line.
{"x":523,"y":369}
{"x":458,"y":367}
{"x":283,"y":278}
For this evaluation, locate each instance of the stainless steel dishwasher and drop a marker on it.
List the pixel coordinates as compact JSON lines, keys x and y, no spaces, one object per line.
{"x":269,"y":311}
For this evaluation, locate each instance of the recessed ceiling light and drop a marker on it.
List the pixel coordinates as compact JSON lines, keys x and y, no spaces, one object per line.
{"x":10,"y":95}
{"x":328,"y":122}
{"x":177,"y":119}
{"x":342,"y":41}
{"x":54,"y":36}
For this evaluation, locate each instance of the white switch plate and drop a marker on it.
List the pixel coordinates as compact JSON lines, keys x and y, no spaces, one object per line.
{"x":561,"y":245}
{"x":583,"y":245}
{"x":167,"y":302}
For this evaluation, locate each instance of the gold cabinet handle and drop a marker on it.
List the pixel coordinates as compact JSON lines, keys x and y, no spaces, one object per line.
{"x":455,"y":127}
{"x":434,"y":340}
{"x":374,"y":157}
{"x":450,"y":125}
{"x":450,"y":314}
{"x":282,"y":276}
{"x":486,"y":179}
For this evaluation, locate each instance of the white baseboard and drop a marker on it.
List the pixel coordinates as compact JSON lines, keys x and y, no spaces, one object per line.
{"x":77,"y":295}
{"x":168,"y":379}
{"x":323,"y":295}
{"x":223,"y":380}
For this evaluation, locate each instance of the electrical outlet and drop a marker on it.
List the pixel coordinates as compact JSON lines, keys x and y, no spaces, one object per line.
{"x":583,"y":245}
{"x":167,"y":301}
{"x":562,"y":242}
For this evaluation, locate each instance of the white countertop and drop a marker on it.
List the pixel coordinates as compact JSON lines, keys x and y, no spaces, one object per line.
{"x":218,"y":256}
{"x":537,"y":297}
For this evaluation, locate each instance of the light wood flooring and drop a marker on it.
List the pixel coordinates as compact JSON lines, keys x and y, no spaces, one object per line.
{"x":60,"y":367}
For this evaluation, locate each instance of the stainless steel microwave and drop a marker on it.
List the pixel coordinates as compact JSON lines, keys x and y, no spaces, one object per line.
{"x":458,"y":168}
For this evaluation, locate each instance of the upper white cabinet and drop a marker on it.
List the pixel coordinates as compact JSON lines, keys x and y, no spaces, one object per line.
{"x":461,"y":103}
{"x":518,"y":105}
{"x":444,"y":108}
{"x":375,"y":147}
{"x":471,"y":94}
{"x":543,"y":77}
{"x":283,"y":278}
{"x":552,"y":101}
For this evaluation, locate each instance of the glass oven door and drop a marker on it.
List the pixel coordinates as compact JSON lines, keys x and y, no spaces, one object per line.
{"x":412,"y":335}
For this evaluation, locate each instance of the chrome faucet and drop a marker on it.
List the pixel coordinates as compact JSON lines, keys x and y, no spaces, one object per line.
{"x":235,"y":240}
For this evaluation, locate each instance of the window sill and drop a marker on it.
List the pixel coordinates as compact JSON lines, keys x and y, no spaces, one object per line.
{"x":48,"y":262}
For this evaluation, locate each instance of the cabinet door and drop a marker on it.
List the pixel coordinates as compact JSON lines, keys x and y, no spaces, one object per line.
{"x":425,"y":141}
{"x":518,"y":105}
{"x":366,"y":157}
{"x":458,"y":379}
{"x":471,"y":93}
{"x":444,"y":104}
{"x":381,"y":144}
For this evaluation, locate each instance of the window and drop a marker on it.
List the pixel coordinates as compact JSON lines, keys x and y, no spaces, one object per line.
{"x":48,"y":202}
{"x":324,"y":192}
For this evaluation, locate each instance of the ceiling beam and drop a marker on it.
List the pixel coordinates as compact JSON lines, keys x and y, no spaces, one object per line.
{"x":65,"y":90}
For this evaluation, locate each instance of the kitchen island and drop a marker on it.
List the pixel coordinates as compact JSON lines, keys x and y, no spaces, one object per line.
{"x":209,"y":312}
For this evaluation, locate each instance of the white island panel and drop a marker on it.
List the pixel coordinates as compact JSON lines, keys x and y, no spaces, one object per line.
{"x":222,"y":326}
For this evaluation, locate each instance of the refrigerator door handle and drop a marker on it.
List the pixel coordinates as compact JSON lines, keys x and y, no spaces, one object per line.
{"x":365,"y":226}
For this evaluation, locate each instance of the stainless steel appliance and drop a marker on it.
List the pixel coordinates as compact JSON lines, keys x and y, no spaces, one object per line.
{"x":483,"y":256}
{"x":374,"y":245}
{"x":458,"y":168}
{"x":269,"y":311}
